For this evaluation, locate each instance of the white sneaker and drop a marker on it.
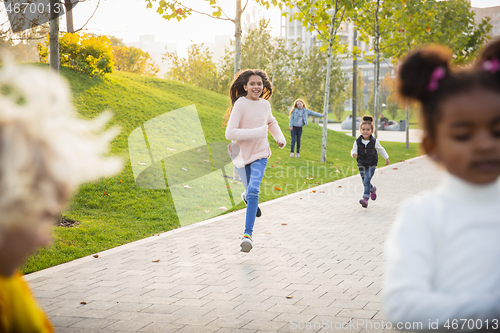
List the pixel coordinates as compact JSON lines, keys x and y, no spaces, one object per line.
{"x":246,"y":244}
{"x":298,"y":155}
{"x":291,"y":154}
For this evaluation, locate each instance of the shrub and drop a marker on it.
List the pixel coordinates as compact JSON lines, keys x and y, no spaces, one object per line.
{"x":85,"y":53}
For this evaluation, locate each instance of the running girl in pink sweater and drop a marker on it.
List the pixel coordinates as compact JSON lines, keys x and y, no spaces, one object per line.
{"x":248,"y":121}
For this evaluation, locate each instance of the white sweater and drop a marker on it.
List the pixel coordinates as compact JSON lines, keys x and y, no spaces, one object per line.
{"x":443,"y":256}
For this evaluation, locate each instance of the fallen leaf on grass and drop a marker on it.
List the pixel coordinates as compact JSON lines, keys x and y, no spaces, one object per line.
{"x":121,"y":181}
{"x":207,"y":211}
{"x":184,"y":169}
{"x":187,"y":186}
{"x":228,"y":186}
{"x":277,"y":188}
{"x":402,"y":161}
{"x":157,"y":260}
{"x":222,"y":208}
{"x":105,"y":193}
{"x":95,"y":256}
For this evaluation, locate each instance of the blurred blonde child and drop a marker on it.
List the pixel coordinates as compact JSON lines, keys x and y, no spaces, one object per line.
{"x":46,"y":151}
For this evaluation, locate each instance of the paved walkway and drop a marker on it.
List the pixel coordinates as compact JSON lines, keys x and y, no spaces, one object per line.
{"x":317,"y":263}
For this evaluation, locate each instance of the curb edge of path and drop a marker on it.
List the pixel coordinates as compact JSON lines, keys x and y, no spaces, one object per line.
{"x":76,"y":262}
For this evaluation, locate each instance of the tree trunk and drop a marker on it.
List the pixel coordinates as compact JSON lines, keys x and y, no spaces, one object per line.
{"x":237,"y":38}
{"x":377,"y":71}
{"x":237,"y":54}
{"x":327,"y":88}
{"x":407,"y":129}
{"x":407,"y":118}
{"x":354,"y":87}
{"x":54,"y":37}
{"x":375,"y":89}
{"x":68,"y":5}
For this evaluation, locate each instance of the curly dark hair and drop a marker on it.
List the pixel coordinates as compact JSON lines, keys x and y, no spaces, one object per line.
{"x":241,"y":79}
{"x":417,"y":79}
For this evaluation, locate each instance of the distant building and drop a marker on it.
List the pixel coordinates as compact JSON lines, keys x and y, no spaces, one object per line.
{"x":494,"y":14}
{"x":156,"y":50}
{"x":294,"y":30}
{"x":218,"y":47}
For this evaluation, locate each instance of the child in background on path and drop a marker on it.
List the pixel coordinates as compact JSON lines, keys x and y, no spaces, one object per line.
{"x":443,"y":252}
{"x":298,"y":119}
{"x":249,"y":119}
{"x":46,"y":151}
{"x":365,"y":150}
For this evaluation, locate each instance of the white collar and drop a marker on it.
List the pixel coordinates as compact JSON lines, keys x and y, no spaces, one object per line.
{"x":462,"y":190}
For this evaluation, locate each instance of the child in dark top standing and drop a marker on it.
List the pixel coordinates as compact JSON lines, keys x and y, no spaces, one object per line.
{"x":365,"y":150}
{"x":298,"y":119}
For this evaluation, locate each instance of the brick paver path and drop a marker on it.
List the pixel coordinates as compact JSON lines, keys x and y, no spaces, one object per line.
{"x":321,"y":269}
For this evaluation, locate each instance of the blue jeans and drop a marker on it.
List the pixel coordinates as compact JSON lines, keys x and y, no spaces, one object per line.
{"x":251,"y":177}
{"x":296,"y":133}
{"x":366,"y":176}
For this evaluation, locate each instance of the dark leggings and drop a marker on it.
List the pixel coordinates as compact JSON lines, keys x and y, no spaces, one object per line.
{"x":296,"y":134}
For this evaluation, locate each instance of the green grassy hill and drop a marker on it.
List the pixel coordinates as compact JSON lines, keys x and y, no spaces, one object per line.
{"x":116,"y":211}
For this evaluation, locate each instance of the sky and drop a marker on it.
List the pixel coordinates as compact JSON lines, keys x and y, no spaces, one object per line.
{"x":129,"y":19}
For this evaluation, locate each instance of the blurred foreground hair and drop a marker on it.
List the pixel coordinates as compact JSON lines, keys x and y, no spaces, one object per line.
{"x":46,"y":150}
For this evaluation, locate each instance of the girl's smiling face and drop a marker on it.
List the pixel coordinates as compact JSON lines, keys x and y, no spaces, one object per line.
{"x":300,"y":105}
{"x":366,"y":131}
{"x":467,"y":139}
{"x":254,"y":87}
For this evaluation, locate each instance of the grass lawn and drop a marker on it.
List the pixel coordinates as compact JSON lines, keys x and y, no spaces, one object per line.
{"x":115,"y":211}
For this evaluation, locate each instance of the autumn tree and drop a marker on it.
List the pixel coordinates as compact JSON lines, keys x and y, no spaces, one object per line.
{"x":198,"y":68}
{"x":375,"y":21}
{"x":134,"y":60}
{"x":429,"y":21}
{"x":175,"y":9}
{"x":324,"y":17}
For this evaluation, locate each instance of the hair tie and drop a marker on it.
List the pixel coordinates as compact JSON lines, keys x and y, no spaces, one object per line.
{"x":437,"y":74}
{"x":491,"y":66}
